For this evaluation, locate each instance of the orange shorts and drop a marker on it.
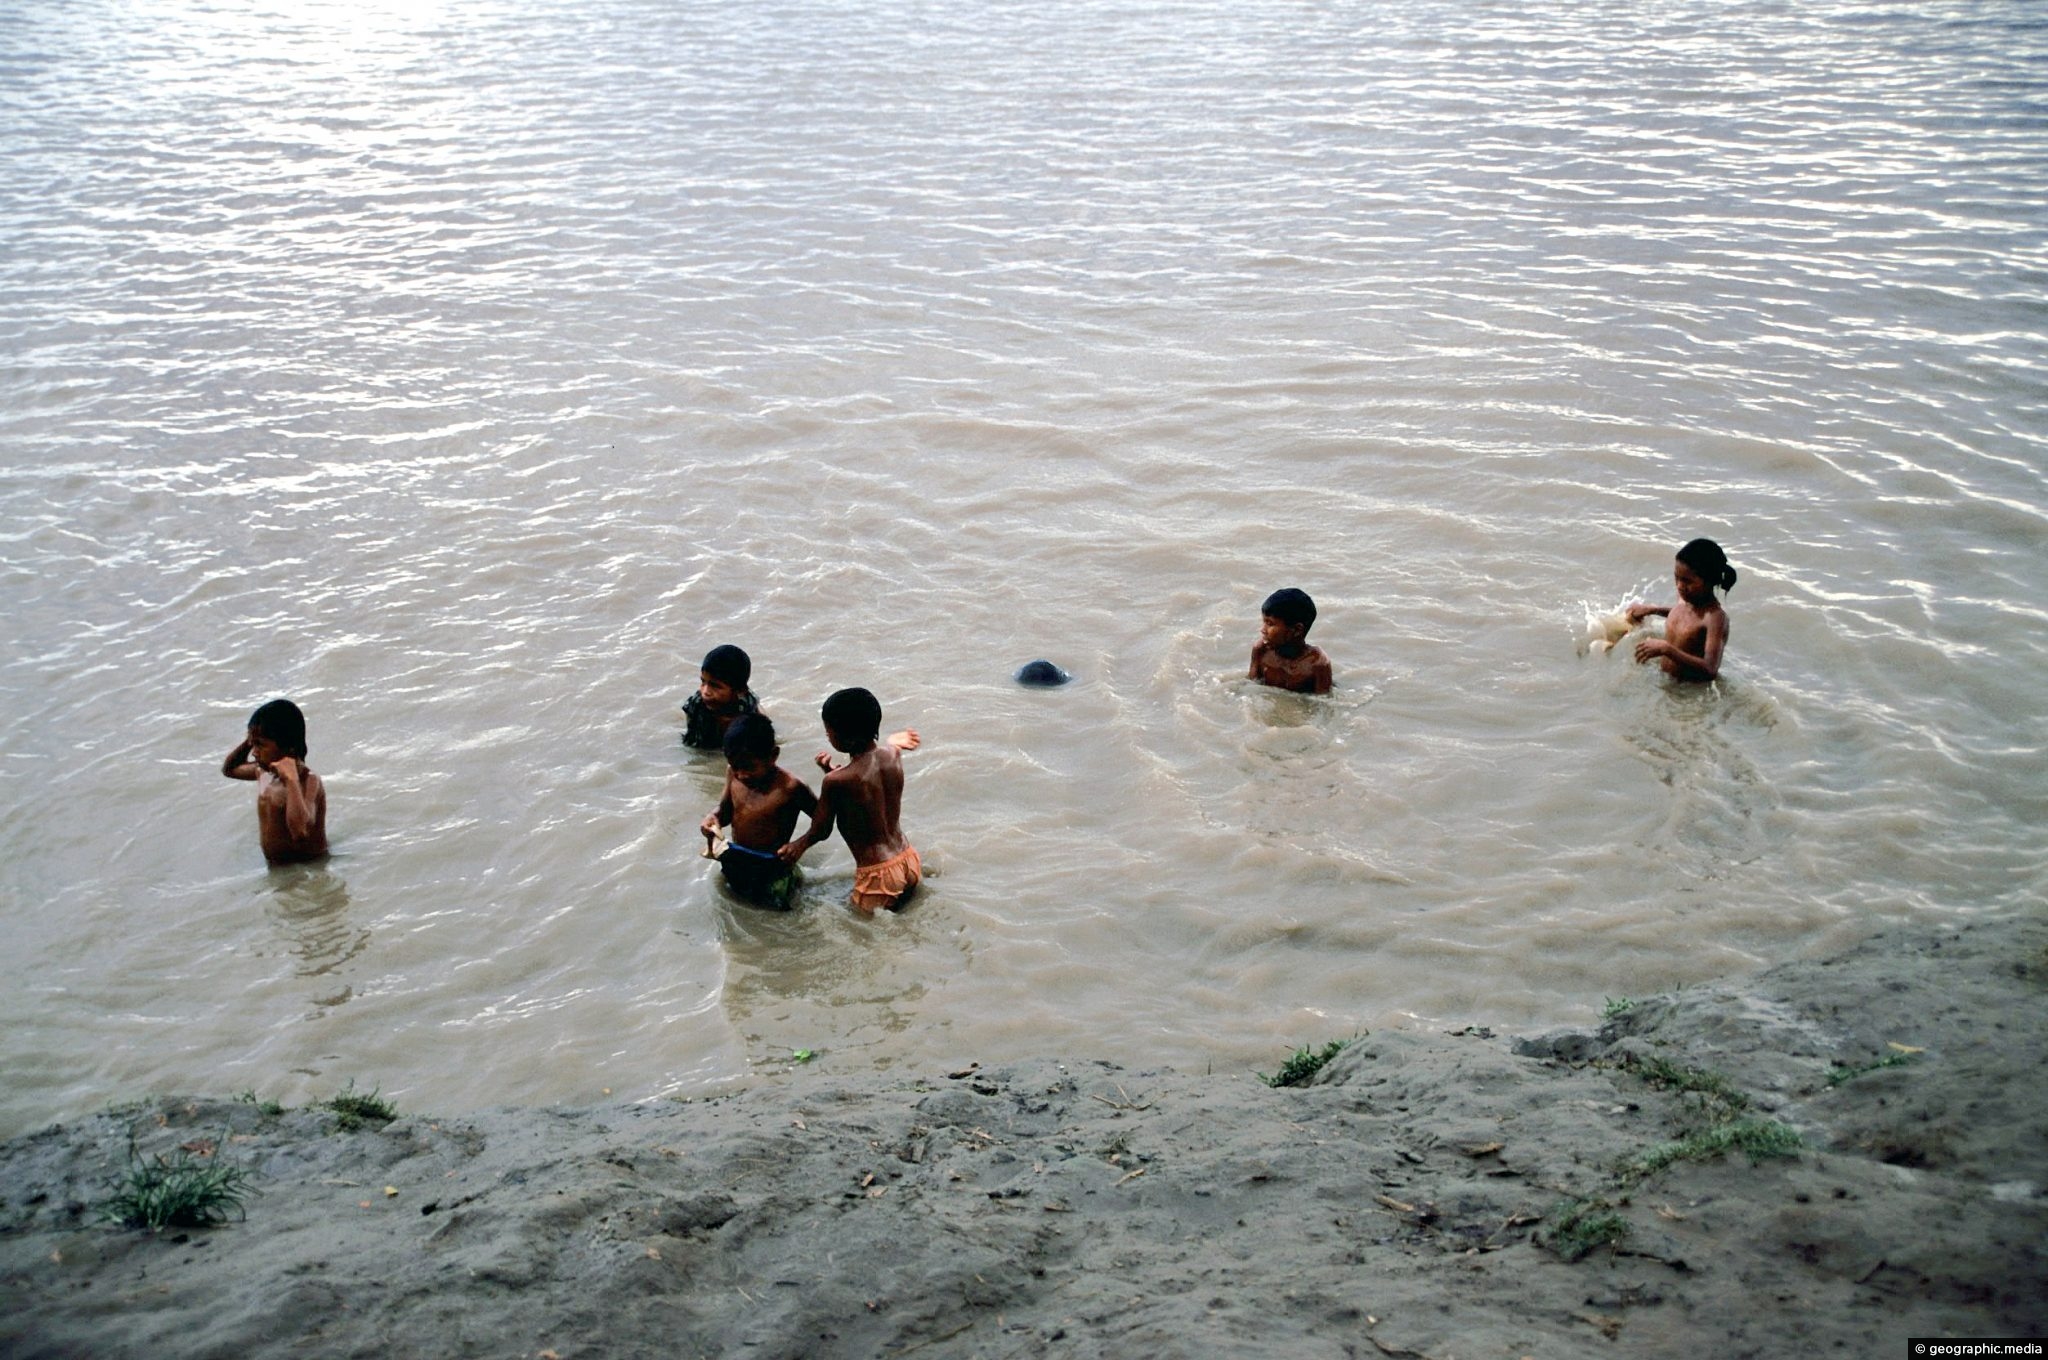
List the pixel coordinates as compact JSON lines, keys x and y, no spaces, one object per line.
{"x":876,"y":886}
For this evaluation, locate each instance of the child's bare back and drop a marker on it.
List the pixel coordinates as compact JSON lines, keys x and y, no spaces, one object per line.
{"x":864,"y":800}
{"x":866,"y":797}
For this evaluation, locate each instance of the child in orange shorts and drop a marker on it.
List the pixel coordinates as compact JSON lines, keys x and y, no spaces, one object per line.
{"x":864,"y":799}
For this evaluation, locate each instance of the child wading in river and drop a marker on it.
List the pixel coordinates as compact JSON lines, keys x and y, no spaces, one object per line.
{"x":1696,"y":628}
{"x":1282,"y":657}
{"x":291,"y":802}
{"x":721,"y":698}
{"x":762,"y":802}
{"x":864,"y":799}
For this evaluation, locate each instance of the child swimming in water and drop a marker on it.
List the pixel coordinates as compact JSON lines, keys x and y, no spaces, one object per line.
{"x":864,"y":798}
{"x":722,"y":697}
{"x":762,"y":802}
{"x":1696,"y":628}
{"x":291,"y":802}
{"x":1282,"y":657}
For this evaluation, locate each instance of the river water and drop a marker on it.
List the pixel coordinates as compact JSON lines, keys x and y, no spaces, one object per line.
{"x":466,"y":370}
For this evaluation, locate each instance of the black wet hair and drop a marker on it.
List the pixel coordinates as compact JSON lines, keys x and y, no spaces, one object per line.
{"x":728,"y":665}
{"x":1041,"y":673}
{"x":281,"y":722}
{"x":853,"y":714}
{"x":1704,"y":556}
{"x":1290,"y":606}
{"x":751,"y":737}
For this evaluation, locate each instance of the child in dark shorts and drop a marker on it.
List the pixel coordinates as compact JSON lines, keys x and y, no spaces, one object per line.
{"x":762,"y":802}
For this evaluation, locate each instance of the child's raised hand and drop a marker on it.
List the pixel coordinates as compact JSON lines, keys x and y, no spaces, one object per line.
{"x":1650,"y":648}
{"x":1638,"y":612}
{"x":286,"y":768}
{"x":906,"y":740}
{"x":709,"y":826}
{"x":824,"y":759}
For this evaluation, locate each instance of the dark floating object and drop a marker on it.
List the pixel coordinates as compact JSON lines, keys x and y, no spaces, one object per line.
{"x":1043,"y":674}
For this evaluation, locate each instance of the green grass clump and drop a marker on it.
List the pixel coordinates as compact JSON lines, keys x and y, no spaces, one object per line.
{"x":1616,"y":1005}
{"x":1581,"y":1226}
{"x":1842,"y":1072}
{"x":176,"y":1190}
{"x":352,"y":1111}
{"x":1758,"y":1139}
{"x":1305,"y":1063}
{"x":270,"y":1109}
{"x":1711,"y":1087}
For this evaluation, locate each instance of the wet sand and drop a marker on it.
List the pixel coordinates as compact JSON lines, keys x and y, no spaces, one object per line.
{"x":1406,"y":1203}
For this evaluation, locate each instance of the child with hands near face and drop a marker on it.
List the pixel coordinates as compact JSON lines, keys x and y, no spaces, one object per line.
{"x":291,"y":802}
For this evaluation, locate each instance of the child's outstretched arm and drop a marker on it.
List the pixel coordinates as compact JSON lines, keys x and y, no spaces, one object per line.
{"x":238,"y":765}
{"x":906,"y":740}
{"x":1638,"y":612}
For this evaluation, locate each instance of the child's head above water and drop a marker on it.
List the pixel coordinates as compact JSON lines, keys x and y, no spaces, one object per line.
{"x":729,"y":666}
{"x":280,"y":723}
{"x":1282,"y":656}
{"x":853,"y":717}
{"x":1292,"y":607}
{"x":750,"y":743}
{"x":723,"y":676}
{"x":1285,"y":618}
{"x":1708,"y":564}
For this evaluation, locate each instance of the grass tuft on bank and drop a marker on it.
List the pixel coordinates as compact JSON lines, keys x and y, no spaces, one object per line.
{"x":1579,"y":1227}
{"x":353,"y":1111}
{"x":176,"y":1190}
{"x":1299,"y":1069}
{"x":1756,"y":1138}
